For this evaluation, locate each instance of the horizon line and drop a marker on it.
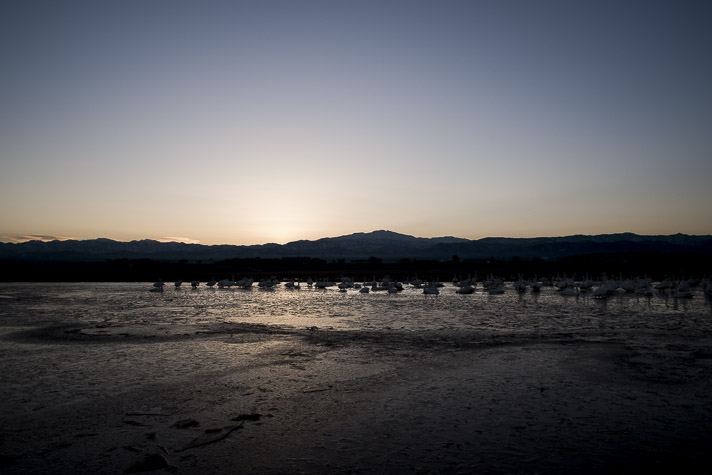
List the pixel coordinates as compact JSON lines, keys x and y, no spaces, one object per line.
{"x":46,"y":238}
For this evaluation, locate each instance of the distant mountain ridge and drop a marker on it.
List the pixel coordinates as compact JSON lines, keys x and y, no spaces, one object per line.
{"x":381,"y":244}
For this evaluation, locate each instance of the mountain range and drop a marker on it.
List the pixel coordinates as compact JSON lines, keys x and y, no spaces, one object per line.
{"x":386,"y":245}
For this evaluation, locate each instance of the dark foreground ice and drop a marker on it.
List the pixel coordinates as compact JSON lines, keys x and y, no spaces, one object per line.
{"x":111,"y":378}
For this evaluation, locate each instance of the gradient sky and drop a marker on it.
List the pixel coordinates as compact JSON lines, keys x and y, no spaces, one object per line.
{"x":271,"y":121}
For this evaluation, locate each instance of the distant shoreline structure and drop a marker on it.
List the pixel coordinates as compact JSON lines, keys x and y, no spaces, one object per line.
{"x":359,"y":255}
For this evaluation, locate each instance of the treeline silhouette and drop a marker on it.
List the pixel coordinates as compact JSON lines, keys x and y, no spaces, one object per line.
{"x":655,"y":265}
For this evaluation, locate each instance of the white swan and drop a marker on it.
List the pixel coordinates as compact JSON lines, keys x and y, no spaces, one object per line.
{"x":570,"y":291}
{"x":466,"y":289}
{"x":431,"y":289}
{"x":683,"y":290}
{"x":495,"y":288}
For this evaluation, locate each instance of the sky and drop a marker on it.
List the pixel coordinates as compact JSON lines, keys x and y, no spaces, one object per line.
{"x":246,"y":122}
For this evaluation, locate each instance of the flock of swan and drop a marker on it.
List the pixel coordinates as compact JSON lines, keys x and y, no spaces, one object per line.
{"x":491,"y":285}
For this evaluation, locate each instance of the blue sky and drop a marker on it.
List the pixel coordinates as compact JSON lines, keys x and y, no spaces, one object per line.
{"x":271,"y":121}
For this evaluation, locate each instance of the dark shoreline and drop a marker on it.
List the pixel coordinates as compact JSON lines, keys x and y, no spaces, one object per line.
{"x":656,"y":265}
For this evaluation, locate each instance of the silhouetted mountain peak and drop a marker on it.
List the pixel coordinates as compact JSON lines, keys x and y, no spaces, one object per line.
{"x":385,"y":234}
{"x":380,"y":234}
{"x":380,"y":243}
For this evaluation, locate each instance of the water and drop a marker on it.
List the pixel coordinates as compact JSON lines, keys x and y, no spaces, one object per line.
{"x":54,"y":334}
{"x":114,"y":349}
{"x":131,"y":305}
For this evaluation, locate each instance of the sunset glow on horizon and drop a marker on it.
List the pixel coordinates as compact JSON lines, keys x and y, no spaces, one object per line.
{"x":252,"y":122}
